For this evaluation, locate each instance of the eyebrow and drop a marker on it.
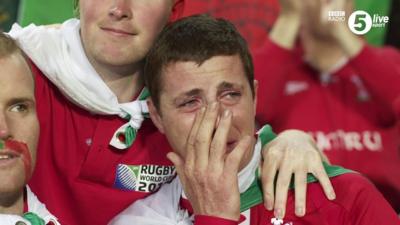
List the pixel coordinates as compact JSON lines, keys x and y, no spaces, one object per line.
{"x":227,"y":85}
{"x":20,"y":100}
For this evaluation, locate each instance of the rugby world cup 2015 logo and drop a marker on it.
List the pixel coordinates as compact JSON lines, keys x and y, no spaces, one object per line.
{"x":142,"y":178}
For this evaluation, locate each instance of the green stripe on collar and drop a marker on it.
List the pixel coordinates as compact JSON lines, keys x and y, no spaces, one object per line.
{"x":266,"y":134}
{"x":33,"y":218}
{"x":1,"y":145}
{"x":253,"y":195}
{"x":144,"y":94}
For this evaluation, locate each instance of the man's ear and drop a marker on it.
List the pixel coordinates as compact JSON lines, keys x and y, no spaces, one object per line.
{"x":155,"y":116}
{"x":255,"y":94}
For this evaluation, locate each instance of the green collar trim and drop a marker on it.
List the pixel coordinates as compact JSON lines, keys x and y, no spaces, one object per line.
{"x":2,"y":145}
{"x":266,"y":134}
{"x":142,"y":97}
{"x":33,"y":218}
{"x":254,"y":196}
{"x":144,"y":94}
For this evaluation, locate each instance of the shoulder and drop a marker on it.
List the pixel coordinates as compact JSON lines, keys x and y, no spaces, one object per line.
{"x":349,"y":187}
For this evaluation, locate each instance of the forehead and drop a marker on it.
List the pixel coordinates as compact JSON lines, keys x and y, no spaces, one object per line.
{"x":180,"y":76}
{"x":15,"y":77}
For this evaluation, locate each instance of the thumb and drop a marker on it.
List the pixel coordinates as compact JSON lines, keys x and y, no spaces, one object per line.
{"x":177,"y":161}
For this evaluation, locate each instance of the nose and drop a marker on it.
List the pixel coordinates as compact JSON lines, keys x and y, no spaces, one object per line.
{"x":120,"y":9}
{"x":4,"y":130}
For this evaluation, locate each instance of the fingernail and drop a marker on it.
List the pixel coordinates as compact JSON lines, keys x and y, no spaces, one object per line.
{"x":299,"y":211}
{"x":227,"y":113}
{"x":278,"y":213}
{"x":331,"y":196}
{"x":269,"y":206}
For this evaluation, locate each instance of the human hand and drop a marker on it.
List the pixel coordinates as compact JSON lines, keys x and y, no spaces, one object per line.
{"x":285,"y":30}
{"x":290,"y":7}
{"x":208,"y":173}
{"x":291,"y":152}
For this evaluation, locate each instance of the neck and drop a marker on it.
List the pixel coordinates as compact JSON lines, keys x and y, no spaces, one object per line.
{"x":12,"y":203}
{"x":248,"y":155}
{"x":124,"y":81}
{"x":322,"y":55}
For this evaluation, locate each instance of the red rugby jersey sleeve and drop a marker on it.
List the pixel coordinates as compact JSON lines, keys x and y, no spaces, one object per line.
{"x":380,"y":70}
{"x":42,"y":93}
{"x":271,"y":63}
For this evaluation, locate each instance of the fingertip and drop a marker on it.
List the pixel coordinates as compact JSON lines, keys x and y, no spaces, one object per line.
{"x":170,"y":155}
{"x":173,"y":157}
{"x":268,"y":203}
{"x":279,"y":213}
{"x":331,"y":195}
{"x":300,"y":211}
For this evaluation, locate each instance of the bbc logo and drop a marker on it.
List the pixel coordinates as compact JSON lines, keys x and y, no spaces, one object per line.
{"x":336,"y":13}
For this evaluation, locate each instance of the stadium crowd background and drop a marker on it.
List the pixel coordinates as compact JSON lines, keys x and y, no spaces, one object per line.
{"x":254,"y":18}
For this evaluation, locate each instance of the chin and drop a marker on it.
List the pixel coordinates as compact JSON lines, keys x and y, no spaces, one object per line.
{"x":11,"y":187}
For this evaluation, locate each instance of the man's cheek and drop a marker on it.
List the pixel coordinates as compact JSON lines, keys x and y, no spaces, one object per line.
{"x":23,"y":150}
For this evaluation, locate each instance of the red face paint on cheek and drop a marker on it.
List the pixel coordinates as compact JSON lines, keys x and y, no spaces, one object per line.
{"x":22,"y":149}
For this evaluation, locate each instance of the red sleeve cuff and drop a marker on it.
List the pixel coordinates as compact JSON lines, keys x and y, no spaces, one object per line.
{"x":207,"y":220}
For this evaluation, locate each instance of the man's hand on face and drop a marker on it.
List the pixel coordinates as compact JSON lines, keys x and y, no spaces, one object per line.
{"x":208,"y":173}
{"x":293,"y":152}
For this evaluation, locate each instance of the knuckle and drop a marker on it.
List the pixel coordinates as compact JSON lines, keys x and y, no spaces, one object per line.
{"x":191,"y":143}
{"x":273,"y":154}
{"x":198,"y":142}
{"x":213,"y":146}
{"x":283,"y":183}
{"x":268,"y":194}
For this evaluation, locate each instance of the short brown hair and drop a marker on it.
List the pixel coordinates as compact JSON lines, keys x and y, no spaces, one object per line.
{"x":8,"y":46}
{"x":196,"y":38}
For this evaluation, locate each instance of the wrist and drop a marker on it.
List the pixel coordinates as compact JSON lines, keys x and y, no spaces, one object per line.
{"x":285,"y":30}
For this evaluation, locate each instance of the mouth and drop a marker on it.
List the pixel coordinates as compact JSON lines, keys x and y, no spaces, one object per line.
{"x":8,"y":157}
{"x":118,"y":32}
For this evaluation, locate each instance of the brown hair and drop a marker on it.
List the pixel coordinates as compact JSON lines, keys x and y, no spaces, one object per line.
{"x":196,"y":38}
{"x":8,"y":46}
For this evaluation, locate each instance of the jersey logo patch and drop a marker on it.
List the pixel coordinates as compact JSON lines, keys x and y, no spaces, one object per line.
{"x":276,"y":221}
{"x":143,"y":178}
{"x":294,"y":87}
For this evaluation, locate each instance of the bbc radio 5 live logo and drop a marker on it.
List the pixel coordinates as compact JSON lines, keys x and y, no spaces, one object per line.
{"x":359,"y":22}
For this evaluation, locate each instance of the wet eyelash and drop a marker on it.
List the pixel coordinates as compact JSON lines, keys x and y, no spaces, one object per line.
{"x":186,"y":102}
